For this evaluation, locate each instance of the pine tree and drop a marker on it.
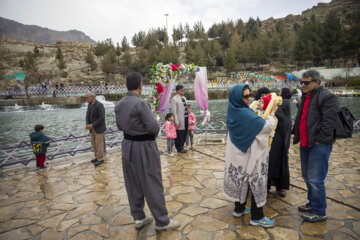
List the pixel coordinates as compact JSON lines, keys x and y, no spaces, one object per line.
{"x":229,"y":59}
{"x":106,"y":64}
{"x":169,"y":54}
{"x":333,"y":39}
{"x":126,"y":62}
{"x":124,"y":44}
{"x":118,"y":50}
{"x":36,"y":52}
{"x":89,"y":59}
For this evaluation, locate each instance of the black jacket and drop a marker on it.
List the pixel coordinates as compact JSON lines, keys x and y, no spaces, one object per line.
{"x":321,"y":117}
{"x":40,"y":142}
{"x":95,"y":115}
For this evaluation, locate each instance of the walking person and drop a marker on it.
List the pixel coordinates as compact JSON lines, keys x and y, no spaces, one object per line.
{"x":141,"y":158}
{"x":181,"y":115}
{"x":314,"y":128}
{"x":170,"y":132}
{"x":278,"y":157}
{"x":40,"y":143}
{"x":247,"y":152}
{"x":95,"y":123}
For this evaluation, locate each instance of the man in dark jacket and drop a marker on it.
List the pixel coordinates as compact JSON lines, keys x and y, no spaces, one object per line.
{"x":95,"y":122}
{"x":314,"y":128}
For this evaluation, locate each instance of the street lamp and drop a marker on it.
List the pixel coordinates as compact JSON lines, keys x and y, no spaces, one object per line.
{"x":166,"y":15}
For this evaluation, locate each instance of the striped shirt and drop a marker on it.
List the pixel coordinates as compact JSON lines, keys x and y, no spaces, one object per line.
{"x":186,"y":114}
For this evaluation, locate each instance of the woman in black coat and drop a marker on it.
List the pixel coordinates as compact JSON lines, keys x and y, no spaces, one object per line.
{"x":278,"y":156}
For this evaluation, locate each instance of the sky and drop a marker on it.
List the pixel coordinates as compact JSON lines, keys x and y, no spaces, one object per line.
{"x":102,"y":19}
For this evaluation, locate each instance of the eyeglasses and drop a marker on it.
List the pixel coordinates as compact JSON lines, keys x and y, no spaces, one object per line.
{"x":247,"y":96}
{"x":306,"y":82}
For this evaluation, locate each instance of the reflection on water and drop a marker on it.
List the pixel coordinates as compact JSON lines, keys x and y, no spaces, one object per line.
{"x":16,"y":126}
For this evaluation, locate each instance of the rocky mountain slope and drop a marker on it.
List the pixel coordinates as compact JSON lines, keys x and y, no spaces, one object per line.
{"x":30,"y":33}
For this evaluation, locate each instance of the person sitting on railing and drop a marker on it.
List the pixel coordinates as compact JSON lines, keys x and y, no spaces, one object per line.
{"x":40,"y":143}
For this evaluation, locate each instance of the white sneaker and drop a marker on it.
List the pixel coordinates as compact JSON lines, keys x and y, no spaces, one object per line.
{"x":139,"y":224}
{"x":172,"y":225}
{"x":171,"y":155}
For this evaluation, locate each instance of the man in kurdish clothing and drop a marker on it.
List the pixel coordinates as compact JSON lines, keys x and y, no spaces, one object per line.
{"x":95,"y":122}
{"x":141,"y":158}
{"x":314,"y":128}
{"x":181,"y":115}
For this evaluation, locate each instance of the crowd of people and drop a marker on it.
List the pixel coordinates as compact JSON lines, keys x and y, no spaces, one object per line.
{"x":256,"y":150}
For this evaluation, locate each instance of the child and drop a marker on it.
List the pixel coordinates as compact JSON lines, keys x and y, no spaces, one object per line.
{"x":192,"y":121}
{"x":170,"y":132}
{"x":40,"y":142}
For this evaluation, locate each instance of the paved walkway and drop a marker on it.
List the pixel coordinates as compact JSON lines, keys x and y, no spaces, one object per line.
{"x":73,"y":200}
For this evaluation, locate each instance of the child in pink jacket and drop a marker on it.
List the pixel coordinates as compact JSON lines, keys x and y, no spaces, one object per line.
{"x":192,"y":121}
{"x":170,"y":132}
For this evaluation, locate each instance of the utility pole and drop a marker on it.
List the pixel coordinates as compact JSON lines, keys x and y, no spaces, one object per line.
{"x":167,"y":33}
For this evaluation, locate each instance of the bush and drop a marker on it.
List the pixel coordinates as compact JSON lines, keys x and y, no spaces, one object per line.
{"x":64,"y":74}
{"x":355,"y":81}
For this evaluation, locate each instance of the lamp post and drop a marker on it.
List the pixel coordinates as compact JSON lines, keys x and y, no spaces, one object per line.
{"x":166,"y":15}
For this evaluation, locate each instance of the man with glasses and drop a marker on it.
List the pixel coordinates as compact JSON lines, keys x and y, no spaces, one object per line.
{"x":181,"y":115}
{"x":314,"y":128}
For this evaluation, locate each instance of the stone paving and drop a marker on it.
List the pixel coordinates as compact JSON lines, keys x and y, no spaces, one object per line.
{"x":73,"y":200}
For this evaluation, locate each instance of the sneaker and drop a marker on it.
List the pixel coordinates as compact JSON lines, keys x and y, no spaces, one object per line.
{"x":313,"y":217}
{"x":93,"y":161}
{"x":171,"y":155}
{"x":237,"y":214}
{"x":139,"y":224}
{"x":97,"y":163}
{"x":264,"y":222}
{"x":305,"y":208}
{"x":172,"y":225}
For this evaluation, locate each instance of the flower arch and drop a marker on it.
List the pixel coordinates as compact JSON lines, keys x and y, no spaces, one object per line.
{"x":163,"y":77}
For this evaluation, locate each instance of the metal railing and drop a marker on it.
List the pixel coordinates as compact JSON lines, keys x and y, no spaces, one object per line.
{"x":70,"y":145}
{"x":147,"y":89}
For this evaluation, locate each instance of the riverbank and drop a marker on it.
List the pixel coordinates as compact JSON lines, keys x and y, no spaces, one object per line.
{"x":72,"y":199}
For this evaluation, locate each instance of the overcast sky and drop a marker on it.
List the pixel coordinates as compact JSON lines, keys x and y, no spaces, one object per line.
{"x":101,"y":19}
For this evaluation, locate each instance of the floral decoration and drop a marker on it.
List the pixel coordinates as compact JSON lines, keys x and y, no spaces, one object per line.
{"x":162,"y":74}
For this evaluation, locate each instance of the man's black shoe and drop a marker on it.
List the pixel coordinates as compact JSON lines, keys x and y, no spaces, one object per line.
{"x":183,"y":151}
{"x":97,"y":163}
{"x":305,"y":208}
{"x":94,"y":160}
{"x":313,"y":217}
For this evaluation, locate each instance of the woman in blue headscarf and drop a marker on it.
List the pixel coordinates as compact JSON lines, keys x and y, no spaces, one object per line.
{"x":247,"y":153}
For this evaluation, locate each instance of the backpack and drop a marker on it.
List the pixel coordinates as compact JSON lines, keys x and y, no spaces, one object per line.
{"x":345,"y":123}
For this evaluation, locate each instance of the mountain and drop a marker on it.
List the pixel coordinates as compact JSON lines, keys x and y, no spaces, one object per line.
{"x":32,"y":33}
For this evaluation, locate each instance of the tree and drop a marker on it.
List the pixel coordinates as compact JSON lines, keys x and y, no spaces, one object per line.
{"x":36,"y":52}
{"x":252,"y":28}
{"x":124,"y":44}
{"x":59,"y":56}
{"x":199,"y":55}
{"x":89,"y":59}
{"x":138,"y":39}
{"x":118,"y":50}
{"x":106,"y":64}
{"x":103,"y":47}
{"x":229,"y":59}
{"x":333,"y":39}
{"x":29,"y":62}
{"x":169,"y":54}
{"x":126,"y":62}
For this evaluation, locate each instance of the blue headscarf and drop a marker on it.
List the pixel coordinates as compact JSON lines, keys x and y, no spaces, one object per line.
{"x":242,"y":122}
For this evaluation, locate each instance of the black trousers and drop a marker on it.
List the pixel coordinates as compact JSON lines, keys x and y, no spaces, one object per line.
{"x":181,"y":136}
{"x":256,"y":213}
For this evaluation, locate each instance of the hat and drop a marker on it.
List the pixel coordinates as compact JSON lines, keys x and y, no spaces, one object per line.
{"x":266,"y":100}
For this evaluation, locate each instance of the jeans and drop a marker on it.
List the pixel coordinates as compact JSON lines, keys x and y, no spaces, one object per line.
{"x":170,"y":143}
{"x":314,"y":168}
{"x":256,"y":212}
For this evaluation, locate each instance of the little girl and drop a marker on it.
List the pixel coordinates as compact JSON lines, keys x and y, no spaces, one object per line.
{"x":170,"y":132}
{"x":192,"y":121}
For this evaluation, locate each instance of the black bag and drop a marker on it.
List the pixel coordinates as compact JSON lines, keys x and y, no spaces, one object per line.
{"x":345,"y":123}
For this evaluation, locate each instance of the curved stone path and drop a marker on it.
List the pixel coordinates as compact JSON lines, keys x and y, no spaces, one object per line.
{"x":73,"y":200}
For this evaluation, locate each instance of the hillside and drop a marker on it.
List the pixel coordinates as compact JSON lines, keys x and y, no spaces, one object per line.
{"x":10,"y":29}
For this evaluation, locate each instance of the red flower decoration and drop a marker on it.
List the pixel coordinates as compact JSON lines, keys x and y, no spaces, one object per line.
{"x":160,"y":88}
{"x":156,"y":95}
{"x":173,"y":67}
{"x":177,"y":66}
{"x":157,"y":84}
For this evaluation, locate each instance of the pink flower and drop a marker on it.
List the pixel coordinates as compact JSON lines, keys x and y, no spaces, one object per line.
{"x":173,"y":67}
